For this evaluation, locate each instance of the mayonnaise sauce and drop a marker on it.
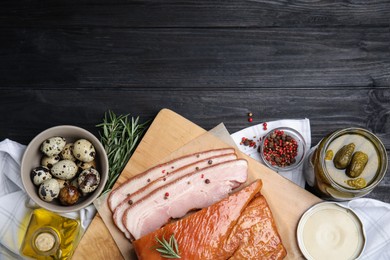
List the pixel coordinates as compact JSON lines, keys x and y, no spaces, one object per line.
{"x":330,"y":231}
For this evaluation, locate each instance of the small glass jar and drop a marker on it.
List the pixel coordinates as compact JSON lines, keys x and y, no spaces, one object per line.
{"x":331,"y":183}
{"x":50,"y":236}
{"x":283,"y":132}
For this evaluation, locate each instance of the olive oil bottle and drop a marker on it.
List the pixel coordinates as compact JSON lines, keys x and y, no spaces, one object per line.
{"x":50,"y":236}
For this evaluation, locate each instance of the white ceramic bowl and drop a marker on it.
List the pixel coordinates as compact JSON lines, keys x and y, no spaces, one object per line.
{"x":32,"y":158}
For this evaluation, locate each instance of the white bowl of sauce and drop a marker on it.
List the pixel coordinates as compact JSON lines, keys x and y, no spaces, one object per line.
{"x":329,"y":230}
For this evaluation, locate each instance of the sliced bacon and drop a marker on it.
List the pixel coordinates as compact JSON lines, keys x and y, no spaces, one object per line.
{"x":174,"y":175}
{"x":195,"y":190}
{"x":141,"y":180}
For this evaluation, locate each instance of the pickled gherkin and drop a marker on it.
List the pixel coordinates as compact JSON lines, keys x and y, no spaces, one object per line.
{"x":329,"y":155}
{"x":358,"y":162}
{"x":357,"y":183}
{"x":344,"y":156}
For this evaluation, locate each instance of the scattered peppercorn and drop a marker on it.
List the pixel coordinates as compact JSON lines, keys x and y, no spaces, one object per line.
{"x":250,"y":119}
{"x":207,"y":181}
{"x":250,"y":114}
{"x":210,"y":162}
{"x":264,"y":126}
{"x":280,"y":149}
{"x":166,"y":195}
{"x":130,"y":202}
{"x":248,"y":142}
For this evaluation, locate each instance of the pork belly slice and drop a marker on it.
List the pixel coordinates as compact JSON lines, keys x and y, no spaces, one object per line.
{"x":174,"y":175}
{"x":202,"y":235}
{"x":195,"y":190}
{"x":141,"y":180}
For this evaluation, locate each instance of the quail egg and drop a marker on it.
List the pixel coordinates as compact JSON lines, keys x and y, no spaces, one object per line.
{"x":49,"y":161}
{"x":88,"y":180}
{"x":84,"y":150}
{"x":86,"y":165}
{"x":69,"y":195}
{"x":53,"y":145}
{"x":40,"y":174}
{"x":49,"y":190}
{"x":67,"y":152}
{"x":64,"y":169}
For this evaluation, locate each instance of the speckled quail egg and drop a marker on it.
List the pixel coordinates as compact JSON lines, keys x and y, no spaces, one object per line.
{"x":67,"y":152}
{"x":64,"y":169}
{"x":49,"y":161}
{"x":85,"y":165}
{"x":88,"y":180}
{"x":49,"y":190}
{"x":69,"y":195}
{"x":40,"y":174}
{"x":53,"y":145}
{"x":84,"y":150}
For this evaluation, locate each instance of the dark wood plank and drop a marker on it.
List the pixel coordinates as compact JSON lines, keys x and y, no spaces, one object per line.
{"x":327,"y":109}
{"x":193,"y":13}
{"x":195,"y":58}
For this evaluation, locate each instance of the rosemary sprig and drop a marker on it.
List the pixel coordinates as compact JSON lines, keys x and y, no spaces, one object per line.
{"x":168,"y":249}
{"x":120,"y":136}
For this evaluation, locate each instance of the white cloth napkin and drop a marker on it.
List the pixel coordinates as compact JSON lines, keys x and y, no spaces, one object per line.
{"x":257,"y":131}
{"x":15,"y":205}
{"x":375,"y":216}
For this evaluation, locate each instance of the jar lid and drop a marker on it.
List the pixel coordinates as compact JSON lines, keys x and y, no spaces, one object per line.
{"x":45,"y":241}
{"x":329,"y":230}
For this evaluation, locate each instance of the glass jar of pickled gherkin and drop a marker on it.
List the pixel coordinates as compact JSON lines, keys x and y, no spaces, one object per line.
{"x":335,"y":183}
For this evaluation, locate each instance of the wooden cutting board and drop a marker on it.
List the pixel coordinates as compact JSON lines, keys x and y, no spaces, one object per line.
{"x":171,"y":136}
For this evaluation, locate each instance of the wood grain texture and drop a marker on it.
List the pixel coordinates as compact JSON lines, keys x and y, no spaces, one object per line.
{"x":193,"y":13}
{"x":327,"y":109}
{"x":195,"y":58}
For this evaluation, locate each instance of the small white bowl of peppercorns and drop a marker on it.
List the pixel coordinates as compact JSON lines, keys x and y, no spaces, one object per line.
{"x":282,"y":149}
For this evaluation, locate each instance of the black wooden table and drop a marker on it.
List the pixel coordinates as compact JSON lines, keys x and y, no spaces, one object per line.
{"x":69,"y":62}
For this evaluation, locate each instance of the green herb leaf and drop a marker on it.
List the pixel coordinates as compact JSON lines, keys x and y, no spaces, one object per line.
{"x":168,"y":249}
{"x":119,"y":136}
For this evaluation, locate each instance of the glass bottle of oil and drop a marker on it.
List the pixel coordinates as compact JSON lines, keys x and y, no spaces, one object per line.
{"x":50,"y":236}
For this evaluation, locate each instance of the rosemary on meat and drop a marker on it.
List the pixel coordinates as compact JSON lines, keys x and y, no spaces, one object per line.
{"x":120,"y":136}
{"x":168,"y":249}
